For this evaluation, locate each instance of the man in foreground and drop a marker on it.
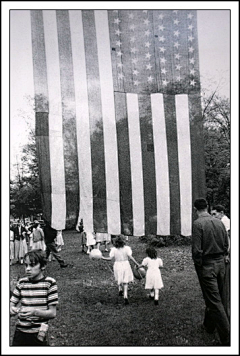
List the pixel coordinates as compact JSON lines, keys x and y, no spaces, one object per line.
{"x":209,"y":247}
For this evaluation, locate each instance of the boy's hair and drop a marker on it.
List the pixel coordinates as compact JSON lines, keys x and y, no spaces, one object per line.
{"x":37,"y":256}
{"x":119,"y":241}
{"x":151,"y":252}
{"x":200,"y":204}
{"x":219,"y":208}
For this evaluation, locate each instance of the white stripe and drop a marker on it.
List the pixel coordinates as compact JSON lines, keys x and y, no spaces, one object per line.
{"x":185,"y":167}
{"x":55,"y":121}
{"x":109,"y":122}
{"x":82,"y":120}
{"x":161,"y":165}
{"x":136,"y":165}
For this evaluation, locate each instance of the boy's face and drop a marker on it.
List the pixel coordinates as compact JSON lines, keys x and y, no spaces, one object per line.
{"x":216,"y":214}
{"x":33,"y":271}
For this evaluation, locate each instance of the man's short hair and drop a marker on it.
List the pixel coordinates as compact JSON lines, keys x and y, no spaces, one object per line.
{"x":200,"y":204}
{"x":219,"y":208}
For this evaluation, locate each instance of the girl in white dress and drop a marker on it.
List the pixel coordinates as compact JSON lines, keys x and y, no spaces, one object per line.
{"x":153,"y":276}
{"x":122,"y":269}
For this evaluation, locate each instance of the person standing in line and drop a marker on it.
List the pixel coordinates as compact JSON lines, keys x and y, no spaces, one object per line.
{"x":50,"y":235}
{"x":38,"y":296}
{"x":218,"y":212}
{"x":122,"y":269}
{"x":38,"y":237}
{"x":153,"y":276}
{"x":19,"y":245}
{"x":11,"y":245}
{"x":209,"y":248}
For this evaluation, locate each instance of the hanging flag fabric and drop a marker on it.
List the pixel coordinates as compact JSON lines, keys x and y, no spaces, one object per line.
{"x":118,"y":119}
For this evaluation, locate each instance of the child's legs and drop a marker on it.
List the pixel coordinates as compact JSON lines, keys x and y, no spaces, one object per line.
{"x":28,"y":339}
{"x":152,"y":292}
{"x":125,"y":290}
{"x":156,"y":294}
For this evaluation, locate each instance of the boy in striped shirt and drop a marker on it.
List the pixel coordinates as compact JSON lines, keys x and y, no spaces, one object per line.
{"x":38,"y":296}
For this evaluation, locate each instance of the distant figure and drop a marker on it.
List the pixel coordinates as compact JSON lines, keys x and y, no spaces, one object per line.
{"x":37,"y":241}
{"x":90,"y":241}
{"x":20,"y":243}
{"x":11,"y":245}
{"x":38,"y":296}
{"x":50,"y":235}
{"x":103,"y":238}
{"x":153,"y":277}
{"x":122,"y":269}
{"x":209,"y":248}
{"x":59,"y":240}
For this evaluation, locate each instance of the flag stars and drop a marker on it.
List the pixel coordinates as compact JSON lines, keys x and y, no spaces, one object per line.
{"x":162,"y":49}
{"x":118,"y":43}
{"x":119,"y":53}
{"x":131,"y":16}
{"x":161,"y":39}
{"x":190,"y":49}
{"x":148,"y":66}
{"x":192,"y":60}
{"x":176,"y":44}
{"x":120,"y":76}
{"x":136,"y":82}
{"x":135,"y":72}
{"x":147,"y":44}
{"x":134,"y":60}
{"x":192,"y":71}
{"x":176,"y":33}
{"x":177,"y":56}
{"x":165,"y":82}
{"x":175,"y":11}
{"x":120,"y":65}
{"x":161,"y":16}
{"x":147,"y":33}
{"x":132,"y":27}
{"x":161,"y":28}
{"x":145,"y":11}
{"x":133,"y":50}
{"x":192,"y":82}
{"x":146,"y":22}
{"x":189,"y":16}
{"x":118,"y":32}
{"x":190,"y":38}
{"x":178,"y":78}
{"x":163,"y":71}
{"x":190,"y":27}
{"x":148,"y":55}
{"x":117,"y":21}
{"x":163,"y":60}
{"x":132,"y":39}
{"x":150,"y":79}
{"x":178,"y":67}
{"x":176,"y":22}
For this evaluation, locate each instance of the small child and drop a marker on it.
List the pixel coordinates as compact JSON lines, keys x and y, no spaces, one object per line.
{"x":38,"y":296}
{"x":122,"y":269}
{"x":153,"y":276}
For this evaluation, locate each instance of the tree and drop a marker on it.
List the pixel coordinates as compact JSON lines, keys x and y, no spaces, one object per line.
{"x":216,"y":119}
{"x":25,"y":197}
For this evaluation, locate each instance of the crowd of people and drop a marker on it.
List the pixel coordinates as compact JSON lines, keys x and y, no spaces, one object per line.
{"x":33,"y":246}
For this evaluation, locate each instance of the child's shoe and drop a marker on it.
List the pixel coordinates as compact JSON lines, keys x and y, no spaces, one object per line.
{"x":156,"y":302}
{"x":126,"y":302}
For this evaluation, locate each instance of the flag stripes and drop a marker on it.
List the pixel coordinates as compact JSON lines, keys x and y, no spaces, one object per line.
{"x":118,"y":136}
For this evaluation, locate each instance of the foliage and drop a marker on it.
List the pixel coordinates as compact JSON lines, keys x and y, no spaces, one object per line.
{"x":216,"y":119}
{"x":25,"y":198}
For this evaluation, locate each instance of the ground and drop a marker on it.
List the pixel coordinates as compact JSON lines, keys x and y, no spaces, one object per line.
{"x":90,"y":312}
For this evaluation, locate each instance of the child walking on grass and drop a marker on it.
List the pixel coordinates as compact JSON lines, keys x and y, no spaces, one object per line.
{"x":38,"y":296}
{"x":153,"y":276}
{"x":122,"y":269}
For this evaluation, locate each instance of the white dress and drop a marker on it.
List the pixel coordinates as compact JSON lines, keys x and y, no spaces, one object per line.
{"x":90,"y":239}
{"x":122,"y":268}
{"x":153,"y":275}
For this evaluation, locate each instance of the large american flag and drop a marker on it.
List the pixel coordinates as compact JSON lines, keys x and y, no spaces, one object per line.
{"x":118,"y":119}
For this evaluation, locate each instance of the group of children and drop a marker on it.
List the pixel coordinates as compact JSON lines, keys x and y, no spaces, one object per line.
{"x":38,"y":294}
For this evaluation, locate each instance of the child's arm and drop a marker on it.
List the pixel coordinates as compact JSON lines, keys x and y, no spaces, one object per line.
{"x":133,"y":259}
{"x":37,"y":314}
{"x":106,"y":258}
{"x":13,"y":309}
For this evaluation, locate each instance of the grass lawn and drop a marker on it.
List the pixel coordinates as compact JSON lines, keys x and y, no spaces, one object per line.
{"x":90,"y":312}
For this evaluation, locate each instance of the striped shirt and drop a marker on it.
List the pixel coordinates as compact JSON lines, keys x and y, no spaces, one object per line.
{"x":36,"y":295}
